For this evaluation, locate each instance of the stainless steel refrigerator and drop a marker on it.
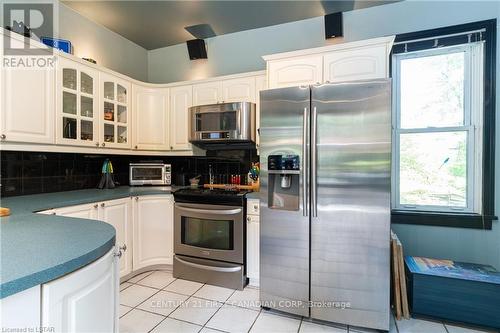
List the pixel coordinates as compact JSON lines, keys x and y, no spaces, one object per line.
{"x":325,"y":153}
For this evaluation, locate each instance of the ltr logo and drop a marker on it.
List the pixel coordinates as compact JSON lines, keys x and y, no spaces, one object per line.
{"x":29,"y":19}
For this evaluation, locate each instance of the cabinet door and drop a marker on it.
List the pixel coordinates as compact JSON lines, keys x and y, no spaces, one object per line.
{"x":118,"y":214}
{"x":77,"y":104}
{"x":151,"y":118}
{"x":115,"y":112}
{"x":181,"y":99}
{"x":83,"y":301}
{"x":239,"y":90}
{"x":27,"y":104}
{"x":87,"y":211}
{"x":356,"y":64}
{"x":253,"y":249}
{"x":153,"y":230}
{"x":207,"y":93}
{"x":260,"y":84}
{"x":295,"y":72}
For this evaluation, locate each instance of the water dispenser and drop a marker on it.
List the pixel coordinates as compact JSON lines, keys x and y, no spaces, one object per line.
{"x":284,"y":182}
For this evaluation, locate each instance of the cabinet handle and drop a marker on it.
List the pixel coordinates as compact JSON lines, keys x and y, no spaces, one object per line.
{"x":123,"y":248}
{"x":118,"y":254}
{"x":103,"y":204}
{"x":97,"y":144}
{"x":96,"y":205}
{"x":3,"y":136}
{"x":103,"y":144}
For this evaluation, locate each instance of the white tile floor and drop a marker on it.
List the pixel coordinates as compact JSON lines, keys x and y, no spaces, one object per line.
{"x":156,"y":302}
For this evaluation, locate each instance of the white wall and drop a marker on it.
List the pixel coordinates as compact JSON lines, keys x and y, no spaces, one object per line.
{"x":109,"y":49}
{"x":242,"y":51}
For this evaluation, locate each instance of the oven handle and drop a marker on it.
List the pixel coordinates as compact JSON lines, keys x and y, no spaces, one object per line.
{"x":210,"y":211}
{"x":210,"y":268}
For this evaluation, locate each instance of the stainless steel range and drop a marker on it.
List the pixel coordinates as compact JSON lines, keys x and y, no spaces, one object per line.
{"x":209,"y":237}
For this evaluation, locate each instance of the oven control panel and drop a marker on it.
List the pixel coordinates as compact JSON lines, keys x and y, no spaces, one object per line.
{"x":215,"y":135}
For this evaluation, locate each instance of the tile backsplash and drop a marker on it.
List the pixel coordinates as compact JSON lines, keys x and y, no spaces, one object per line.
{"x":37,"y":172}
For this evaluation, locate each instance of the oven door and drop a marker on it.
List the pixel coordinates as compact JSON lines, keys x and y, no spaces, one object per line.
{"x":209,"y":231}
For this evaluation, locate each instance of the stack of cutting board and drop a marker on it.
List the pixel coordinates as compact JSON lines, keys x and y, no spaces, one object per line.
{"x":400,"y":298}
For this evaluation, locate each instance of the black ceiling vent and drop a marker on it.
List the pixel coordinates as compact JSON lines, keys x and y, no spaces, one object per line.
{"x":196,"y":49}
{"x":333,"y":25}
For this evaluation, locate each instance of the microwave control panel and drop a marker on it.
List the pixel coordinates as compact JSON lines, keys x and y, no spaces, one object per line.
{"x":214,"y":135}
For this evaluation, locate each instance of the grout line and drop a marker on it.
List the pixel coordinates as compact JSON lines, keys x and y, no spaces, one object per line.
{"x":255,"y":320}
{"x":300,"y":324}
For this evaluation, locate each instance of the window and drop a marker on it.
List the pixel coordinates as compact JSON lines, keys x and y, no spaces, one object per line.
{"x":441,"y":148}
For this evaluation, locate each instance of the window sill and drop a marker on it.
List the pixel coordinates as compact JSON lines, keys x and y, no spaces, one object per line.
{"x":473,"y":221}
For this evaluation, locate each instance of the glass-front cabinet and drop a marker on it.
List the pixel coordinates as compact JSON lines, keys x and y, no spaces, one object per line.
{"x":77,"y":121}
{"x":115,"y":112}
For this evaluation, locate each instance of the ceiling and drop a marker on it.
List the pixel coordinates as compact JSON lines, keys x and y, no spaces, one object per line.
{"x":155,"y":24}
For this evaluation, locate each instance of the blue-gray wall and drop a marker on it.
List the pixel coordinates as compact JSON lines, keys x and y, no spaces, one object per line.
{"x":240,"y":52}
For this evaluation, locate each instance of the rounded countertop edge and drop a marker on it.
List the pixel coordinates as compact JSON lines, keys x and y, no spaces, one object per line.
{"x":13,"y":287}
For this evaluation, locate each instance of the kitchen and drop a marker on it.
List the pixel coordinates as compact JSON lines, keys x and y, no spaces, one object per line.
{"x":223,"y":162}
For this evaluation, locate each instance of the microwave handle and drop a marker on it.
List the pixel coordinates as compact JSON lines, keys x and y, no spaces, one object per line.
{"x":210,"y":211}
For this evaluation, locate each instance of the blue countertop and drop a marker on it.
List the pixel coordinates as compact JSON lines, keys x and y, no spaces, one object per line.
{"x":38,"y":248}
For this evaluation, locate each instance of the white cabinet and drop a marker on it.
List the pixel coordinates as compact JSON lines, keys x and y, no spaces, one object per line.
{"x":151,"y":123}
{"x":253,"y":241}
{"x":27,"y":104}
{"x":260,"y":85}
{"x":239,"y":90}
{"x":85,"y":300}
{"x":77,"y":121}
{"x":358,"y":64}
{"x":86,"y":211}
{"x":207,"y":93}
{"x":153,"y":230}
{"x":21,"y":311}
{"x":114,"y":112}
{"x":118,"y":214}
{"x":181,"y":99}
{"x":295,"y":71}
{"x":360,"y":60}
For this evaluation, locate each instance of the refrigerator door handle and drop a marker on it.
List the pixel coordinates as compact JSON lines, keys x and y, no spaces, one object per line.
{"x":314,"y":151}
{"x":305,"y":169}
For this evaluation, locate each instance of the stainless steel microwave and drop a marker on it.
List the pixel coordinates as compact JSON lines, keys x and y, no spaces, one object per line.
{"x":150,"y":174}
{"x":222,"y":123}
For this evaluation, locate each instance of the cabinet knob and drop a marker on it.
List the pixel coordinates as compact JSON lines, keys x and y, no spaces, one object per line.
{"x":136,"y":147}
{"x":103,"y":144}
{"x":249,"y":219}
{"x":3,"y":136}
{"x":96,"y":205}
{"x":103,"y":204}
{"x":171,"y":147}
{"x":123,"y":248}
{"x":53,"y":213}
{"x":118,"y":254}
{"x":136,"y":198}
{"x":97,"y":144}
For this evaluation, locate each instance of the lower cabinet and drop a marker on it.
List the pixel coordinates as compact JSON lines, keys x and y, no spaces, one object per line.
{"x":153,"y":230}
{"x":144,"y":227}
{"x":85,"y":300}
{"x":118,"y":214}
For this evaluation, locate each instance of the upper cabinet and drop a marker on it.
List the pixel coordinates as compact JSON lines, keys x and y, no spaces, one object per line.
{"x":151,"y":123}
{"x":27,"y":104}
{"x":207,"y":93}
{"x":77,"y":120}
{"x":361,"y":60}
{"x":366,"y":63}
{"x":296,"y":71}
{"x":181,"y":99}
{"x":239,"y":90}
{"x":114,"y":112}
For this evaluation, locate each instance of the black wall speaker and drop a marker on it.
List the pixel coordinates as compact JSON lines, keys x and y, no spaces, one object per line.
{"x":196,"y":49}
{"x":333,"y":25}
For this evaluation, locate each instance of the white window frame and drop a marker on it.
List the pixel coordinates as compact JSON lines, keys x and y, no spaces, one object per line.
{"x":473,"y":120}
